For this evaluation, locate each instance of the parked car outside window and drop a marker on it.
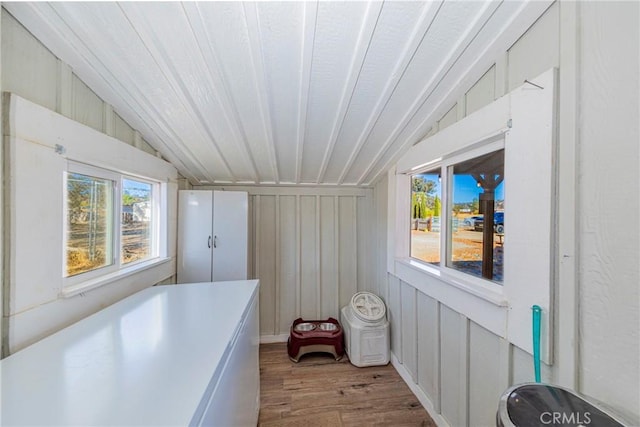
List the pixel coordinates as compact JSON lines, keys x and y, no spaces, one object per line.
{"x":471,"y":221}
{"x":498,"y":223}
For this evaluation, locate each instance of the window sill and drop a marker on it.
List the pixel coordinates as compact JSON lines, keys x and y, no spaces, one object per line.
{"x":475,"y":286}
{"x":79,"y":288}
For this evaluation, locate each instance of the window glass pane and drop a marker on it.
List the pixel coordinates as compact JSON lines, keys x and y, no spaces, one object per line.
{"x":426,"y":210}
{"x":137,"y":221}
{"x":477,"y":193}
{"x":89,"y":223}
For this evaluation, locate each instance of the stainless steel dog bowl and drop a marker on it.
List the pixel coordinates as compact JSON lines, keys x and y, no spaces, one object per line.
{"x":328,"y":326}
{"x":304,"y":327}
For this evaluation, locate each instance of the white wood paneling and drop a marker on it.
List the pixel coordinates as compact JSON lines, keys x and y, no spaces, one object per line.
{"x":31,"y":71}
{"x":428,"y":330}
{"x":304,"y":249}
{"x":379,"y":269}
{"x":266,"y":261}
{"x":529,"y":166}
{"x":339,"y":29}
{"x":482,"y":93}
{"x":608,"y":190}
{"x":522,"y":367}
{"x":28,"y":68}
{"x":64,"y":92}
{"x":449,"y":118}
{"x":36,"y":306}
{"x":484,"y":369}
{"x":567,"y":295}
{"x":603,"y":326}
{"x":301,"y":92}
{"x":288,"y":268}
{"x":409,"y":329}
{"x":123,"y":131}
{"x":329,"y":253}
{"x":366,"y":233}
{"x":87,"y":107}
{"x":309,"y":258}
{"x":394,"y":314}
{"x":2,"y":214}
{"x":30,"y":287}
{"x":453,"y":373}
{"x":537,"y":50}
{"x":348,"y":237}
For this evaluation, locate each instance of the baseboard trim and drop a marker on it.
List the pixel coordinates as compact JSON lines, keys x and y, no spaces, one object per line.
{"x":270,"y":339}
{"x":417,"y":391}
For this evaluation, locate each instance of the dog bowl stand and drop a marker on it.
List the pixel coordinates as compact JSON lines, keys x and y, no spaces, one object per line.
{"x":315,"y":336}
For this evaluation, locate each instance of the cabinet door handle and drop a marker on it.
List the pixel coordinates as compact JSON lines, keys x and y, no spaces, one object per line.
{"x":209,"y":242}
{"x":215,"y":241}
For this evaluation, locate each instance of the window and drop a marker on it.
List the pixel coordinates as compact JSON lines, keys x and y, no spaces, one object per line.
{"x":111,"y":221}
{"x":136,"y":221}
{"x":473,"y":213}
{"x":426,"y":211}
{"x":500,"y":183}
{"x":89,"y":230}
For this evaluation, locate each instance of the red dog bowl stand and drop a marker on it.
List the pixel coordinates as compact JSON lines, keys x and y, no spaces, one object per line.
{"x":315,"y":336}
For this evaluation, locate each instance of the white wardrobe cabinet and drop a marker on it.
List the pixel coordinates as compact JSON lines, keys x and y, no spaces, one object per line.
{"x":212,"y":235}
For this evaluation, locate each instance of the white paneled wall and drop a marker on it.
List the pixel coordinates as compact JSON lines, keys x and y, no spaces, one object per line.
{"x":312,"y":249}
{"x":457,"y":368}
{"x":609,"y":187}
{"x":30,"y":70}
{"x":463,"y":368}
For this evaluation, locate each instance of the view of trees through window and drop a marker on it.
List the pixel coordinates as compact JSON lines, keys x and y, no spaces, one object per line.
{"x":426,"y":211}
{"x":93,"y":230}
{"x":136,"y":220}
{"x":476,"y":191}
{"x":89,"y":223}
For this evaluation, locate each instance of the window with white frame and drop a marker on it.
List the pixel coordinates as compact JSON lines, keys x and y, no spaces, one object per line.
{"x":511,"y":139}
{"x":472,"y":216}
{"x":111,"y":221}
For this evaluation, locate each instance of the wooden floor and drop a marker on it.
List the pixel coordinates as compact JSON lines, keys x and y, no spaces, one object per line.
{"x":320,"y":392}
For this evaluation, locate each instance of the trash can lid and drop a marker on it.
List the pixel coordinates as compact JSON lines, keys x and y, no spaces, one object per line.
{"x":535,"y":404}
{"x":368,"y":307}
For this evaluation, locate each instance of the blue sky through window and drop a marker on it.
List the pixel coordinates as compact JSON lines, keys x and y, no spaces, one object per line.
{"x":465,"y":187}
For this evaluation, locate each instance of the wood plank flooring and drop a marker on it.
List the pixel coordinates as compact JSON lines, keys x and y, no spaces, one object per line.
{"x":320,"y":392}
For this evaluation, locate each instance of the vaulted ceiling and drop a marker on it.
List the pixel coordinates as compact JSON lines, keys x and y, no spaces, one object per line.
{"x":279,"y":92}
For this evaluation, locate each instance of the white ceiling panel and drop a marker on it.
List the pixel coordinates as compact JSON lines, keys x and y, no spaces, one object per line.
{"x":390,"y":52}
{"x":282,"y":35}
{"x":341,"y":38}
{"x":326,"y":93}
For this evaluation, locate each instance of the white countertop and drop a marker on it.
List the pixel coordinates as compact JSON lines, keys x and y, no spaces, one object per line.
{"x":146,"y":360}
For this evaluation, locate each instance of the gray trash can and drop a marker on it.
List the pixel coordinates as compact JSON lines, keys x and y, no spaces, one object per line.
{"x":536,"y":404}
